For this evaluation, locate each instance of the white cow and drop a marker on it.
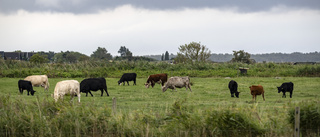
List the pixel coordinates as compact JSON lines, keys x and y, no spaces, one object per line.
{"x":39,"y":80}
{"x":177,"y":82}
{"x":67,"y":87}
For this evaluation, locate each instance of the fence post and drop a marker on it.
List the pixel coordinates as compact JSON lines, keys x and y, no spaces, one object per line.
{"x":114,"y":105}
{"x":297,"y":122}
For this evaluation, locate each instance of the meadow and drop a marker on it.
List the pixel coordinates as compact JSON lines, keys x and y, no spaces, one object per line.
{"x":208,"y":110}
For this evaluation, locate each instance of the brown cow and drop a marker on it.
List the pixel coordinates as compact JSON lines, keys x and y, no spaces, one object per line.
{"x":256,"y":90}
{"x":156,"y":78}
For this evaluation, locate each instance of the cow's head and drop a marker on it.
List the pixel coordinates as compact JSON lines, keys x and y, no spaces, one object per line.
{"x":164,"y":88}
{"x":32,"y":92}
{"x":147,"y":85}
{"x":237,"y":94}
{"x":119,"y":83}
{"x":279,"y":89}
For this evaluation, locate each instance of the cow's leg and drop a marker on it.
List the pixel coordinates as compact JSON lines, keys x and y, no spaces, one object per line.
{"x":86,"y":94}
{"x":291,"y":94}
{"x":284,"y":94}
{"x":21,"y":90}
{"x":128,"y":83}
{"x":134,"y":82}
{"x":232,"y":94}
{"x":78,"y":94}
{"x":101,"y":92}
{"x":106,"y":91}
{"x":90,"y":93}
{"x":263,"y":97}
{"x":28,"y":92}
{"x":189,"y":87}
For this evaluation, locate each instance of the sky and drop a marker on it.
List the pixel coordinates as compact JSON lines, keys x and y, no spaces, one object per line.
{"x":152,"y":27}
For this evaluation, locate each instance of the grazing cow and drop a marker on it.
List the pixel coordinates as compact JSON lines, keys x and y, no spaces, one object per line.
{"x":128,"y":77}
{"x":256,"y":90}
{"x":93,"y":84}
{"x":233,"y":86}
{"x":286,"y":87}
{"x":25,"y":85}
{"x":67,"y":87}
{"x":159,"y":78}
{"x":39,"y":80}
{"x":177,"y":82}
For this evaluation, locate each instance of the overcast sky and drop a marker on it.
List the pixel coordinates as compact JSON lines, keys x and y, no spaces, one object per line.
{"x":152,"y":27}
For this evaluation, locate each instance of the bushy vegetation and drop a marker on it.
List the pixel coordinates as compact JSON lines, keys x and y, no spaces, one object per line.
{"x":309,"y":118}
{"x":12,"y":68}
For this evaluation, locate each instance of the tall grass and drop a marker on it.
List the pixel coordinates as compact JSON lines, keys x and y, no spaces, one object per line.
{"x":44,"y":117}
{"x":16,"y":69}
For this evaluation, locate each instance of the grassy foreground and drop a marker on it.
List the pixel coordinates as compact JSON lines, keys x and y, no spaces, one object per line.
{"x":206,"y":111}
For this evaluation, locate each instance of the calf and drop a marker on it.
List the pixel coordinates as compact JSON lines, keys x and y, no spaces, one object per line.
{"x":286,"y":87}
{"x":233,"y":87}
{"x":128,"y":77}
{"x":25,"y":85}
{"x":178,"y":82}
{"x":39,"y":80}
{"x":67,"y":87}
{"x":256,"y":90}
{"x":93,"y":84}
{"x":159,"y":78}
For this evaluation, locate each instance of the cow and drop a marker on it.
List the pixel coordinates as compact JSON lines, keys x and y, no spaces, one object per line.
{"x":93,"y":84}
{"x":128,"y":77}
{"x":256,"y":90}
{"x":39,"y":80}
{"x":25,"y":85}
{"x":233,"y":87}
{"x":67,"y":87}
{"x":177,"y":82}
{"x":286,"y":87}
{"x":159,"y":78}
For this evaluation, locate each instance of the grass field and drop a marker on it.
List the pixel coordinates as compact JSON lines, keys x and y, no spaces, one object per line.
{"x":208,"y":94}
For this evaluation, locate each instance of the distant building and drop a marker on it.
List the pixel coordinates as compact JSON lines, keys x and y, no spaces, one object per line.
{"x":16,"y":55}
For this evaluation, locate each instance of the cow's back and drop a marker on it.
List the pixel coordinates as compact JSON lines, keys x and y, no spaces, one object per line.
{"x":257,"y":90}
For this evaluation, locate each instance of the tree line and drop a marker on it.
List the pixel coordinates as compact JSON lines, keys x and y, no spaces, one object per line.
{"x":193,"y":52}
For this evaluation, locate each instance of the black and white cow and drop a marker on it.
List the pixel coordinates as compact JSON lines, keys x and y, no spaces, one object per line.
{"x":233,"y":86}
{"x":25,"y":85}
{"x":126,"y":77}
{"x":286,"y":87}
{"x":93,"y":84}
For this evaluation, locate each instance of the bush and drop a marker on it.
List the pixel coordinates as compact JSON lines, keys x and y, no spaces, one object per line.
{"x":309,"y":118}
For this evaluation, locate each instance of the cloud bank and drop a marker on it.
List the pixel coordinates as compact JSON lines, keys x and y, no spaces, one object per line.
{"x":148,"y":31}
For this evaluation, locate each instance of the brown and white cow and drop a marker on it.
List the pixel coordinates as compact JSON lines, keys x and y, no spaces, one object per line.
{"x":39,"y":80}
{"x":177,"y":82}
{"x":156,"y":78}
{"x":67,"y":87}
{"x":256,"y":90}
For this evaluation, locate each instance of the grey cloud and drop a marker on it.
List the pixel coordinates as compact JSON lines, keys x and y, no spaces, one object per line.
{"x":87,"y":6}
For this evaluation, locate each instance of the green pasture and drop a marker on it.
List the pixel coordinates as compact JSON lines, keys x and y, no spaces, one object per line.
{"x":208,"y":94}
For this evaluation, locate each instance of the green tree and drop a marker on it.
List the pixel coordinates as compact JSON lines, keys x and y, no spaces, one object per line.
{"x":162,"y":57}
{"x":125,"y":52}
{"x":37,"y":58}
{"x":241,"y":56}
{"x":193,"y":52}
{"x":166,"y":56}
{"x":101,"y":53}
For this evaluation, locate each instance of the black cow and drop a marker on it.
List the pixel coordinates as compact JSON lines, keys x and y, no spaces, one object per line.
{"x":286,"y":87}
{"x":25,"y":85}
{"x":128,"y":77}
{"x":233,"y":86}
{"x":93,"y":84}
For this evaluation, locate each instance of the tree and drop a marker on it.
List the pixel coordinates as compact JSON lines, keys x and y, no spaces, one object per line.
{"x":124,"y":52}
{"x":37,"y":58}
{"x":162,"y":57}
{"x":241,"y":56}
{"x":166,"y":56}
{"x":193,"y":52}
{"x":101,"y":53}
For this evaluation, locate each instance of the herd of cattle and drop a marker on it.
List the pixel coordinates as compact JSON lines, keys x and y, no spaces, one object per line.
{"x":73,"y":87}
